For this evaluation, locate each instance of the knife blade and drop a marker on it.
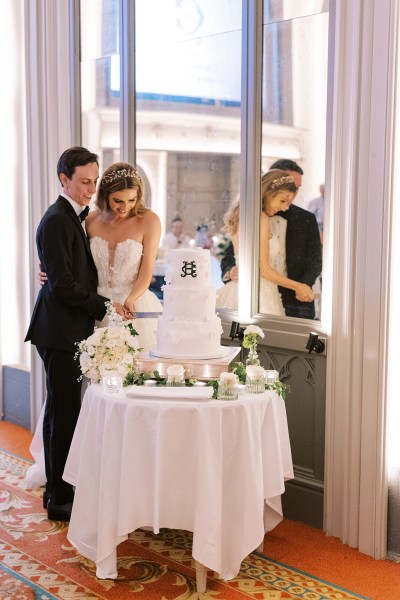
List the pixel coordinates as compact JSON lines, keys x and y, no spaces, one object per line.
{"x":146,"y":315}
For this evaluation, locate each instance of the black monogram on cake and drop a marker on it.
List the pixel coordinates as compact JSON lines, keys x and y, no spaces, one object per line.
{"x":189,"y":268}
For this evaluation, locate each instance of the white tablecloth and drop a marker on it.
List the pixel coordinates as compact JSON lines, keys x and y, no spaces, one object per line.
{"x":212,"y":467}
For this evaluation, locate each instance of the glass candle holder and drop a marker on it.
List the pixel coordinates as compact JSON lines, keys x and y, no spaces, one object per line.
{"x":175,"y":376}
{"x":174,"y":383}
{"x":255,"y":385}
{"x":150,"y":382}
{"x":271,"y":376}
{"x":112,"y":384}
{"x":255,"y":379}
{"x":227,"y":387}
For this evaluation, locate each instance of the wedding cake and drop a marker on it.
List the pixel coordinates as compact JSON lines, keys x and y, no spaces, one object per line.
{"x":188,"y":326}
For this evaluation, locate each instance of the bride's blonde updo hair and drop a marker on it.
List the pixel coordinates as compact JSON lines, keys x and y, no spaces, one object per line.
{"x":231,"y":218}
{"x":121,"y":176}
{"x":273,"y":182}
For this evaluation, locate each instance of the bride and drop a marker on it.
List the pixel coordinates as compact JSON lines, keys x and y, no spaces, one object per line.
{"x":124,"y":236}
{"x":277,"y":192}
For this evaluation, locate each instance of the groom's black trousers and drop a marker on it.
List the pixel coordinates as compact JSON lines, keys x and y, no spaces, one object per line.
{"x":63,"y":403}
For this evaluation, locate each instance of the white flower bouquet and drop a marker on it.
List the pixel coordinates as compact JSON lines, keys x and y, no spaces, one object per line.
{"x":110,"y":350}
{"x":251,"y":335}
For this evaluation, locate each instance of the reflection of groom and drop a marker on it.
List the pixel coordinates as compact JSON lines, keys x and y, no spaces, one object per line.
{"x":301,"y":251}
{"x":64,"y":313}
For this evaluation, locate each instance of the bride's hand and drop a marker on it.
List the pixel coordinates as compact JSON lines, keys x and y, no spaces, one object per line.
{"x":122,"y":311}
{"x":130,"y":307}
{"x":304,"y":293}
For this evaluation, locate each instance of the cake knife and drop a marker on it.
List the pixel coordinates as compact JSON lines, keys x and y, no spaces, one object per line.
{"x":146,"y":315}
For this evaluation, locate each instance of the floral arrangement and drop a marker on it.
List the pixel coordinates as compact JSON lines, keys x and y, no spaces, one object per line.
{"x":241,"y":371}
{"x":176,"y":375}
{"x":113,"y":350}
{"x":110,"y":350}
{"x":251,"y":335}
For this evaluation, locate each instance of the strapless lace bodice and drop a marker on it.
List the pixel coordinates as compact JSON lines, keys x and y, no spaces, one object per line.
{"x":275,"y":255}
{"x":117,"y":272}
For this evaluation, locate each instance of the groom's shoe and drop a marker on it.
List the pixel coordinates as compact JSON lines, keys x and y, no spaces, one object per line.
{"x":59,"y":512}
{"x":46,"y":498}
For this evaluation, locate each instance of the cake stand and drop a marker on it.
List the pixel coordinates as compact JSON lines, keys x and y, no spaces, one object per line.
{"x":209,"y":368}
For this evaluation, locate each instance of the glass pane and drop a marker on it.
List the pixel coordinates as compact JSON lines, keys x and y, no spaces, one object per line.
{"x":188,"y":82}
{"x":100,"y":85}
{"x":282,"y":10}
{"x":295,"y":58}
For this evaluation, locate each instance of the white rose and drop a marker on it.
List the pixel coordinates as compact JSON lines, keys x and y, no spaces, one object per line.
{"x":127,"y":359}
{"x":84,"y":359}
{"x":133,"y":343}
{"x":228,"y":379}
{"x":175,"y":370}
{"x":113,"y":332}
{"x":255,"y":371}
{"x":108,"y":370}
{"x":122,"y":370}
{"x":254,"y":329}
{"x":93,"y":375}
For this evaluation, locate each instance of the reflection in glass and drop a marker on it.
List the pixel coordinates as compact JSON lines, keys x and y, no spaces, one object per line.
{"x":188,"y":102}
{"x":294,"y":87}
{"x":188,"y":96}
{"x":100,"y":85}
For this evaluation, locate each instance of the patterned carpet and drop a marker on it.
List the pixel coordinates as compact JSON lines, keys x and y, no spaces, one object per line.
{"x":37,"y":561}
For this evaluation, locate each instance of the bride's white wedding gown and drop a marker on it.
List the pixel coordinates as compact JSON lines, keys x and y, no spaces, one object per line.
{"x":270,"y":302}
{"x":117,"y":272}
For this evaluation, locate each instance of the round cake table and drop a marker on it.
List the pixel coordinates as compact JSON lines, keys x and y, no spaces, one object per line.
{"x":211,"y":467}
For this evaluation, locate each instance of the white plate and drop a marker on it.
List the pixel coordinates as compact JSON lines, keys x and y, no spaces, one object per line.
{"x":223,"y":351}
{"x":190,"y":392}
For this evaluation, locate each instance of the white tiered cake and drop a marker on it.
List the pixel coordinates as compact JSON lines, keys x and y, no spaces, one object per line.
{"x":188,"y":326}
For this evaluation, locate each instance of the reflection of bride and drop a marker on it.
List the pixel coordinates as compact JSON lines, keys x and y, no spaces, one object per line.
{"x":124,"y":238}
{"x":278,"y":190}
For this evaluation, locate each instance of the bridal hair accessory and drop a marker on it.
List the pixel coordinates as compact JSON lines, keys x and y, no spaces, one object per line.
{"x":121,"y":174}
{"x":280,"y":181}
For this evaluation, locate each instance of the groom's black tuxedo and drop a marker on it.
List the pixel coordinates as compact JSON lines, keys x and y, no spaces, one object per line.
{"x":303,"y":258}
{"x":64,"y":313}
{"x":67,"y":306}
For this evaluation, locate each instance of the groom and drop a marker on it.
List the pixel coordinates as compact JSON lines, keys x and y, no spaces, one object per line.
{"x":301,"y":250}
{"x":64,"y":313}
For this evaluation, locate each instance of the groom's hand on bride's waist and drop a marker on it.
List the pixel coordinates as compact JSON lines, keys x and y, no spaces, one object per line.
{"x":42,"y":277}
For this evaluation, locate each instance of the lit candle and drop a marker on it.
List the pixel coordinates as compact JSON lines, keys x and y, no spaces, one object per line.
{"x":150,"y":382}
{"x":271,"y":376}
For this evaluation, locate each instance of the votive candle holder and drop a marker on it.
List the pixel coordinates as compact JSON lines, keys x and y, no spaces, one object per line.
{"x":255,"y":379}
{"x":227,"y":386}
{"x":112,"y":384}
